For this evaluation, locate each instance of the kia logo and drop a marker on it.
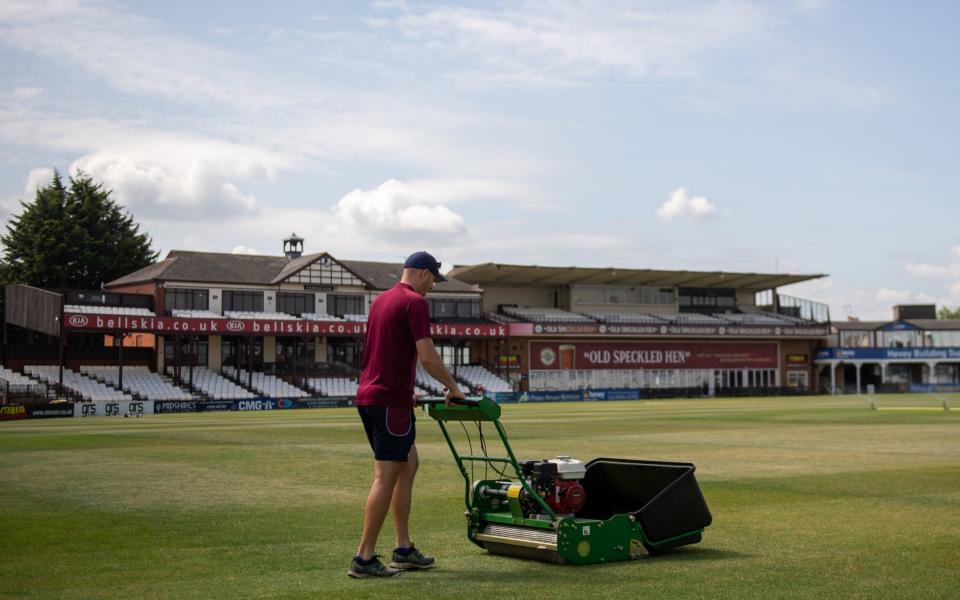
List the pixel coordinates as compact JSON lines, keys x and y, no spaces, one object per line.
{"x":235,"y":325}
{"x":78,"y":321}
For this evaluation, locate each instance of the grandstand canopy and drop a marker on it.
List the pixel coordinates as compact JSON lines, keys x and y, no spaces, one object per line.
{"x":534,"y":275}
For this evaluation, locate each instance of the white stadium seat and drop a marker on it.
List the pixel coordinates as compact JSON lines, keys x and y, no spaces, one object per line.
{"x":195,"y":314}
{"x":476,"y":375}
{"x":333,"y":386}
{"x":271,"y":316}
{"x":96,"y":309}
{"x":545,"y":315}
{"x":86,"y":388}
{"x":213,"y":385}
{"x":320,"y":317}
{"x":138,"y":380}
{"x":267,"y":385}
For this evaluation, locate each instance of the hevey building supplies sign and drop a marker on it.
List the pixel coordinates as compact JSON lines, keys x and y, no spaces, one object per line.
{"x":570,"y":355}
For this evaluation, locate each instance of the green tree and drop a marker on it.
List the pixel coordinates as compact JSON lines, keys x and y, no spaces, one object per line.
{"x":72,"y":237}
{"x":946,"y":312}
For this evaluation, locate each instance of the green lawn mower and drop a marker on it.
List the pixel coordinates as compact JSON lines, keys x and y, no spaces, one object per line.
{"x":564,"y":511}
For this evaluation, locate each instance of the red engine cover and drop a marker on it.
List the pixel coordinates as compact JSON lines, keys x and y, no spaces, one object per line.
{"x":566,"y":496}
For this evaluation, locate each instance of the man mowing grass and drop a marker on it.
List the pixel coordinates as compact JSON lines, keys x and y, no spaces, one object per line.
{"x":398,"y":331}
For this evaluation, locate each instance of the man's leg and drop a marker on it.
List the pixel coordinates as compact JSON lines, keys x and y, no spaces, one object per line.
{"x":403,"y":496}
{"x":385,"y":475}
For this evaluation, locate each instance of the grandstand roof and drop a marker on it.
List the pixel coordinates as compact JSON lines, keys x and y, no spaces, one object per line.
{"x":248,"y":269}
{"x":531,"y":275}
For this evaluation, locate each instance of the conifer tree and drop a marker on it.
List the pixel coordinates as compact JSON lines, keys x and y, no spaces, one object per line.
{"x":72,"y":237}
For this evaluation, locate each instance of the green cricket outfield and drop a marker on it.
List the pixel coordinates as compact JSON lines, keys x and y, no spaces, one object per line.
{"x":812,"y":497}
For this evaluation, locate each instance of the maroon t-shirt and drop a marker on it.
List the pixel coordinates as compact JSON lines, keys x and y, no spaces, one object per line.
{"x":398,"y":318}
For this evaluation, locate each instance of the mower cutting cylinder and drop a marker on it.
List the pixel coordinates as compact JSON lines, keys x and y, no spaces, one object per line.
{"x":620,"y":509}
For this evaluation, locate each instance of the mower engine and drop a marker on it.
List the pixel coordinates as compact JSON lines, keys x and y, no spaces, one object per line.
{"x":557,"y":480}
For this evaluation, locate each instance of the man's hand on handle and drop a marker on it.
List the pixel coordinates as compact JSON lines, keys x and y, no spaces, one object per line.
{"x":453,"y":396}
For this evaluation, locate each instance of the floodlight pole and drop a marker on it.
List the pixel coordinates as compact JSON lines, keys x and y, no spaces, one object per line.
{"x":62,"y":350}
{"x":119,"y":339}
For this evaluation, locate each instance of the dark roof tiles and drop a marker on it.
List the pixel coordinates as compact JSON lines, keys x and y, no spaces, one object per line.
{"x":247,"y":269}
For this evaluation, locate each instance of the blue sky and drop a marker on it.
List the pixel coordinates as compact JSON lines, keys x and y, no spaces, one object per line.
{"x":812,"y":136}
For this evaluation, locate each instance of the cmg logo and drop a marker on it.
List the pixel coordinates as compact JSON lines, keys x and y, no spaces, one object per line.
{"x":235,"y":325}
{"x":78,"y":321}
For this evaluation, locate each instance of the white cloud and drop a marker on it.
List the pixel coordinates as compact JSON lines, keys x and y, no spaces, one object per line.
{"x":400,"y":208}
{"x":36,"y":179}
{"x":180,"y":177}
{"x":244,"y":250}
{"x":681,"y":204}
{"x":131,"y":52}
{"x":928,"y":270}
{"x":572,"y":40}
{"x":947,"y":272}
{"x":389,"y":220}
{"x":892,"y":296}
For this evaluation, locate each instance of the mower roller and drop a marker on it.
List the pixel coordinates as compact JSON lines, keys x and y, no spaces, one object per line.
{"x":564,"y":511}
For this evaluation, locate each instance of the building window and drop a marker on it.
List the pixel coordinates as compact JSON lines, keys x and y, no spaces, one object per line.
{"x":346,"y":304}
{"x":856,"y":339}
{"x":295,"y":304}
{"x":707,"y":299}
{"x":186,"y":299}
{"x":943,"y":339}
{"x":242,"y":301}
{"x":621,"y":294}
{"x":293,"y":353}
{"x":235,"y":351}
{"x":187,"y":354}
{"x":454,"y":355}
{"x":899,"y":339}
{"x":454,"y":308}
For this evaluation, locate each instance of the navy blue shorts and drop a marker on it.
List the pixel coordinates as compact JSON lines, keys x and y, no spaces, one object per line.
{"x":390,"y":431}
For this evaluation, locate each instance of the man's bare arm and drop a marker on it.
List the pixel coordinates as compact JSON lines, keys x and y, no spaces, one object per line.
{"x":434,"y":365}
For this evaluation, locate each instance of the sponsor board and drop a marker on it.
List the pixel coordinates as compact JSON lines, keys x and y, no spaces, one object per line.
{"x":50,"y":411}
{"x":612,"y":394}
{"x":256,"y":404}
{"x":587,"y":395}
{"x":186,"y":406}
{"x":324,"y":402}
{"x":553,"y":396}
{"x":214,"y":405}
{"x":174,"y":406}
{"x":226,"y":326}
{"x":927,"y":388}
{"x":666,"y":330}
{"x":503,"y":397}
{"x":904,"y":354}
{"x":577,"y":355}
{"x":108,"y":408}
{"x":263,"y":326}
{"x":13,"y":412}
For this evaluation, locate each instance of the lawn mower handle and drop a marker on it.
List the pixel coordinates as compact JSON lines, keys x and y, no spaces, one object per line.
{"x":464,"y":402}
